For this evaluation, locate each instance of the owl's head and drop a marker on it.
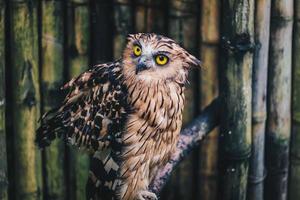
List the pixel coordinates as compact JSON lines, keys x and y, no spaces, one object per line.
{"x":151,"y":57}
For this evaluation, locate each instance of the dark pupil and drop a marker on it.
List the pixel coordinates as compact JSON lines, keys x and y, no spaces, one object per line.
{"x":161,"y":58}
{"x":137,"y":49}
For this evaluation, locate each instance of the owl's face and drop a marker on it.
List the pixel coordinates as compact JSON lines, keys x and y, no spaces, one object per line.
{"x":153,"y":57}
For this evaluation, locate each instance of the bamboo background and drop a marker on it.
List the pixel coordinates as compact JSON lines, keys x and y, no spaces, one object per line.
{"x":250,"y":50}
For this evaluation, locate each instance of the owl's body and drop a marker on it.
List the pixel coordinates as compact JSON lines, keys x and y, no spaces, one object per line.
{"x":128,"y":112}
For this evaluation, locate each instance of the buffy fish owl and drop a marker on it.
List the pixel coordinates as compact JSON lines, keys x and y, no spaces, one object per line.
{"x":128,"y":113}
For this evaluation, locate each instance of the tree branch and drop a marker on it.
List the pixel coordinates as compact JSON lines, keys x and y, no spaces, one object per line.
{"x":188,"y":139}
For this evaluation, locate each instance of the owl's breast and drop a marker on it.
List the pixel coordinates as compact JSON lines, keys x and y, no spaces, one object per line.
{"x":153,"y":128}
{"x":160,"y":103}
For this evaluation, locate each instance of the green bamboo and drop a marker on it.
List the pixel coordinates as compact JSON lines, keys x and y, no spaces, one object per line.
{"x":235,"y":83}
{"x":150,"y":16}
{"x":123,"y":25}
{"x":279,"y":100}
{"x":3,"y":158}
{"x":294,"y":191}
{"x":210,"y":34}
{"x":259,"y":85}
{"x":52,"y":78}
{"x":78,"y":31}
{"x":23,"y":57}
{"x":182,"y":20}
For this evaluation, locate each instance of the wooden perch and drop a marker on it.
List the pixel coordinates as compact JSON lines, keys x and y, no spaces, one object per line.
{"x":189,"y":138}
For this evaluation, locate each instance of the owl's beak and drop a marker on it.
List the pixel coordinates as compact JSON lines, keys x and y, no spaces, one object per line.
{"x":141,"y":66}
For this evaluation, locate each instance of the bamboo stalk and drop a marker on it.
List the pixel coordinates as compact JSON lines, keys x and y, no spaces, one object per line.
{"x":78,"y":61}
{"x":23,"y":57}
{"x":182,"y":20}
{"x":3,"y":158}
{"x":101,"y":31}
{"x":140,"y":16}
{"x":78,"y":36}
{"x":279,"y":100}
{"x":123,"y":21}
{"x":294,"y":192}
{"x":208,"y":169}
{"x":52,"y":78}
{"x":259,"y":92}
{"x":150,"y":16}
{"x":235,"y":88}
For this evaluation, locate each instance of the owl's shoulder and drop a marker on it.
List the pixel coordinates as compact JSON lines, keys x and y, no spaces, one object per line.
{"x":94,"y":108}
{"x":99,"y":74}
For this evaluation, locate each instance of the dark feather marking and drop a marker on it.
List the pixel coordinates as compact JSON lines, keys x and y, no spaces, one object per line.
{"x":135,"y":185}
{"x":124,"y":140}
{"x":169,"y":125}
{"x":162,"y":102}
{"x":138,"y":152}
{"x":179,"y":99}
{"x":153,"y":121}
{"x":158,"y":144}
{"x":154,"y":110}
{"x":142,"y":133}
{"x":133,"y":89}
{"x":165,"y":45}
{"x":154,"y":93}
{"x":127,"y":152}
{"x":130,"y":124}
{"x":147,"y":112}
{"x":146,"y":96}
{"x":125,"y":192}
{"x":138,"y":96}
{"x":135,"y":166}
{"x":142,"y":127}
{"x":122,"y":175}
{"x":156,"y":135}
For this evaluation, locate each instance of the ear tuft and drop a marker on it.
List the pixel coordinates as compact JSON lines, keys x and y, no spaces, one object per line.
{"x":192,"y":60}
{"x":129,"y":36}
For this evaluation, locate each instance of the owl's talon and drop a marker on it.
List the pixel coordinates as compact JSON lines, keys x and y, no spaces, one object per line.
{"x":146,"y":195}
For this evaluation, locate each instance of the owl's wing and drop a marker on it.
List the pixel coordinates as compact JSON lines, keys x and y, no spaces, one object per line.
{"x":94,"y":108}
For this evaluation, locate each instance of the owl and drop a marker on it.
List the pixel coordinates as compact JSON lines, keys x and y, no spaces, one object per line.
{"x":127,"y":113}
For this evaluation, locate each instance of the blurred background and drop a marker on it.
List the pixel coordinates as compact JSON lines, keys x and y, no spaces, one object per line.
{"x":247,"y":49}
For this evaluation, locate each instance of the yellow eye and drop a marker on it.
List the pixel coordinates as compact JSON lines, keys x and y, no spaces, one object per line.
{"x":137,"y":50}
{"x":161,"y":59}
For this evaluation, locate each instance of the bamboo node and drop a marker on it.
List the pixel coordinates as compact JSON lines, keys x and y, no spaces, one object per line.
{"x":259,"y":117}
{"x":77,"y":4}
{"x":3,"y":182}
{"x":52,"y":92}
{"x":274,"y":171}
{"x":238,"y":156}
{"x":295,"y":158}
{"x":29,"y":99}
{"x":254,"y":180}
{"x":241,"y":43}
{"x":2,"y":102}
{"x":296,"y":119}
